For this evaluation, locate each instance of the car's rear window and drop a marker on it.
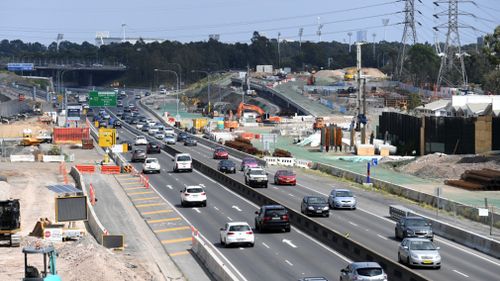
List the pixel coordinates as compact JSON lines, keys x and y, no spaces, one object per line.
{"x":183,"y":158}
{"x":369,"y":271}
{"x":275,"y":212}
{"x":257,"y":172}
{"x":194,"y":190}
{"x":151,"y":161}
{"x":287,"y":173}
{"x":239,"y":228}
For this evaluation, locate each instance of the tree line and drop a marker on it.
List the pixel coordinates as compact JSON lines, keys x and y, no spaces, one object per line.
{"x":141,"y":59}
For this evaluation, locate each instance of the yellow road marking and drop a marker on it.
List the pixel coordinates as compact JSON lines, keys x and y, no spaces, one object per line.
{"x":149,"y":205}
{"x":172,"y":229}
{"x":141,"y":192}
{"x":182,"y":253}
{"x":157,"y":212}
{"x":135,"y":188}
{"x":164,"y":220}
{"x":145,"y":199}
{"x":129,"y":183}
{"x":178,"y":240}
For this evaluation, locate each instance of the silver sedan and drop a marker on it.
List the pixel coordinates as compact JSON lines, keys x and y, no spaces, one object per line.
{"x":419,"y":252}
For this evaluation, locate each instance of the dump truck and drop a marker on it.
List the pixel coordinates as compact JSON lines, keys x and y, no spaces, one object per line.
{"x":10,"y":222}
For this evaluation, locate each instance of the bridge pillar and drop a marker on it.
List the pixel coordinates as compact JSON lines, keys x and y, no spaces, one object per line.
{"x":91,"y":82}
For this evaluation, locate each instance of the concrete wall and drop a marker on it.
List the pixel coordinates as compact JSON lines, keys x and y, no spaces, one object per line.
{"x":483,"y":135}
{"x":209,"y":259}
{"x":93,"y":224}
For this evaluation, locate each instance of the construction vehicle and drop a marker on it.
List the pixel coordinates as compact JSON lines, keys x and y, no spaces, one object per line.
{"x":350,"y":74}
{"x":37,"y":108}
{"x":319,"y":123}
{"x":21,"y":97}
{"x":10,"y":222}
{"x":31,"y":273}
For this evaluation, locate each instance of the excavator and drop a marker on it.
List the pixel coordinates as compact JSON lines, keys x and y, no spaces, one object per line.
{"x":49,"y":272}
{"x":244,"y":106}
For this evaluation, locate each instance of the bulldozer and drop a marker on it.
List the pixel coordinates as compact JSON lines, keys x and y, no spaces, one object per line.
{"x":31,"y":273}
{"x":10,"y":222}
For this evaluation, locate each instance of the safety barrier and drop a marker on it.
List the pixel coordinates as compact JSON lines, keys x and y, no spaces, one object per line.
{"x":280,"y":161}
{"x":69,"y":135}
{"x":303,"y":163}
{"x":451,"y":232}
{"x":144,"y":180}
{"x":217,"y":268}
{"x":22,"y":158}
{"x":85,"y":168}
{"x":127,"y":169}
{"x":106,"y":169}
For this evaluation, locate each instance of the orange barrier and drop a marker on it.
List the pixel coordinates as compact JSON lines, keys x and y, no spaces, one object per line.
{"x":69,"y":135}
{"x":127,"y":169}
{"x":85,"y":168}
{"x":92,"y":195}
{"x":110,"y":169}
{"x":64,"y":173}
{"x":247,"y":135}
{"x":144,"y":180}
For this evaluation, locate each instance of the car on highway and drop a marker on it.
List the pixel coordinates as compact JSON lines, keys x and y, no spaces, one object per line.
{"x":153,"y":148}
{"x":272,"y":217}
{"x":227,"y":166}
{"x":283,"y":177}
{"x":413,"y":226}
{"x":256,"y":177}
{"x":159,"y":135}
{"x":152,"y":130}
{"x":193,"y":195}
{"x":106,"y":116}
{"x":248,"y":162}
{"x":236,"y":233}
{"x":134,"y":121}
{"x":147,"y":94}
{"x":138,"y":155}
{"x":182,"y":162}
{"x":141,"y":140}
{"x":419,"y":252}
{"x":313,"y":279}
{"x":220,"y":153}
{"x":151,"y":165}
{"x":117,"y":124}
{"x":342,"y":199}
{"x":315,"y":205}
{"x":182,"y":136}
{"x":145,"y":128}
{"x":119,"y":103}
{"x":119,"y":114}
{"x":169,"y":139}
{"x":137,"y":97}
{"x":370,"y":271}
{"x":190,"y":142}
{"x":139,"y":125}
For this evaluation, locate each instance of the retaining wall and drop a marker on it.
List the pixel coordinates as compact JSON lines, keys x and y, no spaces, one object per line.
{"x":212,"y":263}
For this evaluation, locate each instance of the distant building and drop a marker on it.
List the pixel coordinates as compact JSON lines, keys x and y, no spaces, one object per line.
{"x":435,"y":108}
{"x":462,"y":106}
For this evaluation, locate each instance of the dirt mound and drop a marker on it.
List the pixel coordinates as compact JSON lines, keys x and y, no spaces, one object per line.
{"x":443,"y":166}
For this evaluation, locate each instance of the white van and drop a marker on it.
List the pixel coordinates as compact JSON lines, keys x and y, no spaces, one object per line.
{"x":182,"y":162}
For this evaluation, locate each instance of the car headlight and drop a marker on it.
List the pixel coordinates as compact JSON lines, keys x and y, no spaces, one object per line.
{"x":310,"y":208}
{"x":325,"y":208}
{"x":414,"y":256}
{"x":409,"y":231}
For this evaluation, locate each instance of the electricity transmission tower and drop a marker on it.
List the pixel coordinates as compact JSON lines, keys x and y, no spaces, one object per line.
{"x":409,"y":35}
{"x":452,"y":66}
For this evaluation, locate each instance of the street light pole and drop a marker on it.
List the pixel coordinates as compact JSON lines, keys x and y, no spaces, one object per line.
{"x":177,"y":116}
{"x":180,"y":72}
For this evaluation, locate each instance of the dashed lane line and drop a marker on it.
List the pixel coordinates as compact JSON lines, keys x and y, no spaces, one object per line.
{"x":149,"y":205}
{"x":157,"y":212}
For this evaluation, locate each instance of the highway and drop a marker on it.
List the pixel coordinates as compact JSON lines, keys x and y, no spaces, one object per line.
{"x":369,"y":225}
{"x":275,"y":256}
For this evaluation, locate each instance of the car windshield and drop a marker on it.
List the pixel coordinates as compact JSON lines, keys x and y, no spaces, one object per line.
{"x":220,"y":150}
{"x":369,"y":271}
{"x":316,"y":200}
{"x":257,"y":172}
{"x":194,"y":190}
{"x":287,"y":173}
{"x":139,"y":151}
{"x":416,"y":222}
{"x":151,"y":161}
{"x":275,"y":212}
{"x":183,"y":158}
{"x":140,"y":138}
{"x":422,"y":245}
{"x":226,"y":163}
{"x":344,"y":193}
{"x":239,"y":228}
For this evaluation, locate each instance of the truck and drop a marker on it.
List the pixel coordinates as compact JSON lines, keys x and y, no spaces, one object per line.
{"x":10,"y":222}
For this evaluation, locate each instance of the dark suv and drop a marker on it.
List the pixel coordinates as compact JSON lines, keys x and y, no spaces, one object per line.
{"x":413,"y":227}
{"x":272,"y":217}
{"x":153,"y":148}
{"x":315,"y":205}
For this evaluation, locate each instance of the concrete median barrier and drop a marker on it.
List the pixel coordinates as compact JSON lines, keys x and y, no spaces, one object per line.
{"x":217,"y":268}
{"x":450,"y":232}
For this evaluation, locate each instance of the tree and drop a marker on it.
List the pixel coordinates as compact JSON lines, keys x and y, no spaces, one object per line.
{"x":492,"y":47}
{"x":423,"y":64}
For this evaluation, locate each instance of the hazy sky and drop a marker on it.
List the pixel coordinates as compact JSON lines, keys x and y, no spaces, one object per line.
{"x":234,"y":20}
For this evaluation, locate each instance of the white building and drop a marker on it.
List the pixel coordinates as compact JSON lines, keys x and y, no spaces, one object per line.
{"x":435,"y":108}
{"x":466,"y":106}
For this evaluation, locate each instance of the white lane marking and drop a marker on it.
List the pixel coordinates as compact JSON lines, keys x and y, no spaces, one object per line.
{"x":197,"y":210}
{"x":289,"y":243}
{"x":176,"y":179}
{"x":464,"y":275}
{"x":229,"y":218}
{"x":385,"y":238}
{"x":169,"y":186}
{"x":265,"y":245}
{"x":291,"y":195}
{"x":236,"y":208}
{"x":241,"y":248}
{"x":202,"y":185}
{"x":275,"y":187}
{"x":216,"y":208}
{"x":289,"y":263}
{"x":353,"y":223}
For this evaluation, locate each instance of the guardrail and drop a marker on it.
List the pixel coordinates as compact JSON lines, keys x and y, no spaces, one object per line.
{"x":459,"y":235}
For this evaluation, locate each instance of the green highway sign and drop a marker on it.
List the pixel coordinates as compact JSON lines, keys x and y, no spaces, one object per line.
{"x":102,"y":99}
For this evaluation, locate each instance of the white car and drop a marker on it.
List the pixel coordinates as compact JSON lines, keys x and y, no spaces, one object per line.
{"x":256,"y":177}
{"x":151,"y":165}
{"x":182,"y":162}
{"x":169,"y":130}
{"x":236,"y":233}
{"x":159,"y":135}
{"x":141,"y":140}
{"x":139,"y":125}
{"x":193,"y":194}
{"x":170,"y":139}
{"x":152,"y":131}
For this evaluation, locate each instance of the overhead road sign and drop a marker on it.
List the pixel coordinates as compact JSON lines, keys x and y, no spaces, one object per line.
{"x":20,"y":66}
{"x":74,"y":112}
{"x":102,"y":99}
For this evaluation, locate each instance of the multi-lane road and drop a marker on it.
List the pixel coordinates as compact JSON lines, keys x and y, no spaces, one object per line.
{"x":299,"y":255}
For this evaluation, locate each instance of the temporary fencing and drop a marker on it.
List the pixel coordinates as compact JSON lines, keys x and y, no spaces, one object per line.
{"x":106,"y":169}
{"x":144,"y":180}
{"x":70,"y":135}
{"x":92,"y":195}
{"x":85,"y":168}
{"x":63,"y":172}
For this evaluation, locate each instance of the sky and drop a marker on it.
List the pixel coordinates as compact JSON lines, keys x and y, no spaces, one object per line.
{"x":235,"y":20}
